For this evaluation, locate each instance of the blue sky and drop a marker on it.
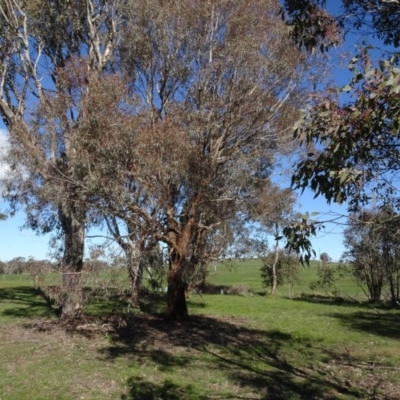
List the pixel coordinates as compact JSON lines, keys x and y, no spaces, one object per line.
{"x":15,"y":241}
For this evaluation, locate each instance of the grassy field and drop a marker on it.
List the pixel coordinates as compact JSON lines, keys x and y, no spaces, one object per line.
{"x":233,"y":347}
{"x":248,"y":273}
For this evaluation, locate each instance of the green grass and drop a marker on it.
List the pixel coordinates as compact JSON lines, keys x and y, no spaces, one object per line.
{"x":15,"y":280}
{"x":247,"y":272}
{"x":233,"y":347}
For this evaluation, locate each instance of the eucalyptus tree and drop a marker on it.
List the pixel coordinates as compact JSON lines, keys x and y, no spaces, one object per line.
{"x":271,"y":209}
{"x":215,"y":87}
{"x":353,"y":146}
{"x":372,"y":252}
{"x":351,"y":132}
{"x":363,"y":255}
{"x":52,"y":55}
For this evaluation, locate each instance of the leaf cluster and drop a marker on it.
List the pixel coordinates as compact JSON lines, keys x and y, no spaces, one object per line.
{"x":355,"y":146}
{"x":313,"y":26}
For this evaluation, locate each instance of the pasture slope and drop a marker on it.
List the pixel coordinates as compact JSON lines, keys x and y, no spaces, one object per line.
{"x":233,"y":347}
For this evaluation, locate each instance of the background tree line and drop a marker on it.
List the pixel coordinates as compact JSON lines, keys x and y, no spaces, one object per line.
{"x":22,"y":265}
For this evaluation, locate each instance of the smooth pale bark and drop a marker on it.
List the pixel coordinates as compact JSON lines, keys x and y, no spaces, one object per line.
{"x":135,"y":273}
{"x":133,"y":247}
{"x":274,"y":264}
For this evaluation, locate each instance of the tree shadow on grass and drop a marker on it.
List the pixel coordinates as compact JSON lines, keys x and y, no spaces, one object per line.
{"x":271,"y":364}
{"x":341,"y":301}
{"x":139,"y":389}
{"x":24,"y":301}
{"x":377,"y":318}
{"x":197,"y":305}
{"x":376,"y":323}
{"x":104,"y":304}
{"x":153,"y":303}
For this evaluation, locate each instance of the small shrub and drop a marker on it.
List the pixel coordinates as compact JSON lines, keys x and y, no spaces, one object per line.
{"x":240,"y":290}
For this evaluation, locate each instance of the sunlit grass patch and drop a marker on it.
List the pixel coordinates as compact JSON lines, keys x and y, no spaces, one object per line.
{"x":233,"y":346}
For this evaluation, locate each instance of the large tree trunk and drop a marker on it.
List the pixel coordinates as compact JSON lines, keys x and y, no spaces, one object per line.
{"x":178,"y":263}
{"x":176,"y":297}
{"x":73,"y":225}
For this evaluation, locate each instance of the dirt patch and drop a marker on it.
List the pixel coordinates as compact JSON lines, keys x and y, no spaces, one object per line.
{"x":87,"y":326}
{"x":197,"y":332}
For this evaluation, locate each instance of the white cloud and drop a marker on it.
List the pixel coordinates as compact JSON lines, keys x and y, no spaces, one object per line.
{"x":3,"y":148}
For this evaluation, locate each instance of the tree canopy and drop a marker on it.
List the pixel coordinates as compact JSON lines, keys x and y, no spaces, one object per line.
{"x":354,"y":147}
{"x":162,"y":116}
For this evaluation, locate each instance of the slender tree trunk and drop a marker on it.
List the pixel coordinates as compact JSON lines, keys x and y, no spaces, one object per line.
{"x":394,"y":287}
{"x":133,"y":248}
{"x":73,"y":225}
{"x":203,"y":284}
{"x":274,"y":264}
{"x":176,"y":298}
{"x":135,"y":273}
